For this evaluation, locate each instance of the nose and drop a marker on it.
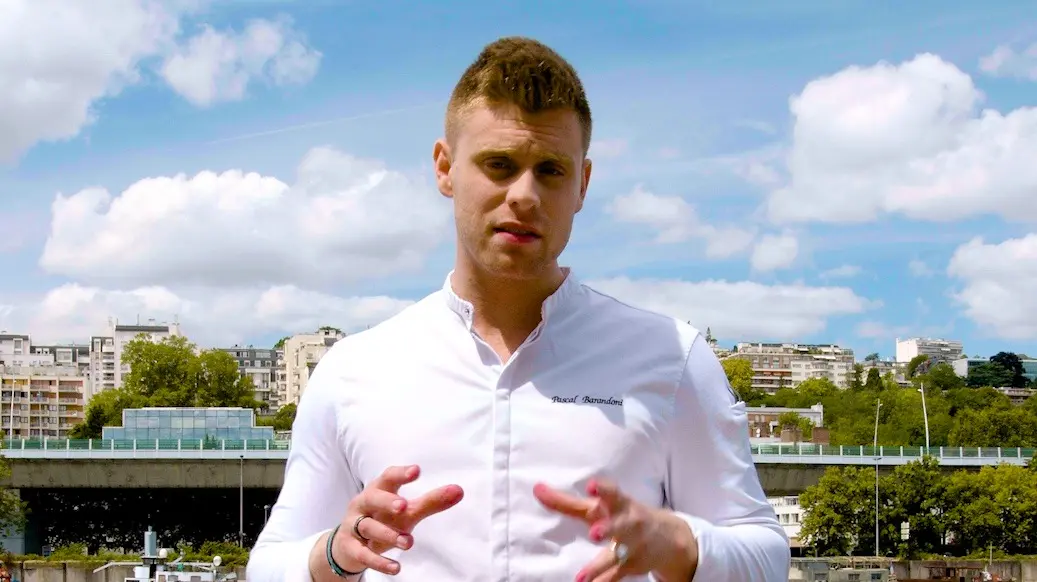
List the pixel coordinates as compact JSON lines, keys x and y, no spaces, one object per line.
{"x":524,"y":192}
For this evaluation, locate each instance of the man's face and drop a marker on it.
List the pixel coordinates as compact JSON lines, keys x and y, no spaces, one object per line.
{"x":517,"y":181}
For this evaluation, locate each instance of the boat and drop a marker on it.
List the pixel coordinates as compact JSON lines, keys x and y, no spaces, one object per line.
{"x":155,"y":565}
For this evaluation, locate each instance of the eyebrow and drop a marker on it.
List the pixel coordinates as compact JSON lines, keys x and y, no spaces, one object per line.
{"x":508,"y":152}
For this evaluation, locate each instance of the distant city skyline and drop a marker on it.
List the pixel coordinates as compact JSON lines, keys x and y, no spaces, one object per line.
{"x":800,"y":172}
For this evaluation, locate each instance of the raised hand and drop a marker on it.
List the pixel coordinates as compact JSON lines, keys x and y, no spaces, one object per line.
{"x":380,"y":519}
{"x":642,"y":539}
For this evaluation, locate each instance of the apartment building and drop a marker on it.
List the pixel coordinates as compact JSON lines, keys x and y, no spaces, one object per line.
{"x":106,"y":368}
{"x":938,"y":350}
{"x":301,"y":354}
{"x":790,"y":515}
{"x":265,"y":367}
{"x":777,"y":366}
{"x":41,"y":396}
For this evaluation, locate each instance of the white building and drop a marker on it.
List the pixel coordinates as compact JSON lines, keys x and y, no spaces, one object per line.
{"x":938,"y":350}
{"x":778,"y":366}
{"x":301,"y":354}
{"x":264,"y":366}
{"x":40,"y":397}
{"x":106,"y":367}
{"x":790,"y":516}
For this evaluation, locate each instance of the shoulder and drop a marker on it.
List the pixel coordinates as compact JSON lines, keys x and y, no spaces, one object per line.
{"x":683,"y":345}
{"x":631,"y":319}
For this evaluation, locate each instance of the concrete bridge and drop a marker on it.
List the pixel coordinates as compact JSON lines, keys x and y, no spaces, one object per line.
{"x":785,"y":469}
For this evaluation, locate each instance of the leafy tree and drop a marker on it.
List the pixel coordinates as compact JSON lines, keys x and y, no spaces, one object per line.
{"x":168,"y":373}
{"x":874,"y":381}
{"x":992,"y":427}
{"x":740,"y":374}
{"x":794,"y":421}
{"x":913,"y":365}
{"x":280,"y":343}
{"x":282,"y":420}
{"x":12,"y":508}
{"x":990,"y":374}
{"x":840,"y":512}
{"x":872,"y":357}
{"x":917,"y":496}
{"x":856,"y":379}
{"x":1014,"y":365}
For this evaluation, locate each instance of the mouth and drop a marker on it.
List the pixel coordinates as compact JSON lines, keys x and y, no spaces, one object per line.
{"x":517,"y":231}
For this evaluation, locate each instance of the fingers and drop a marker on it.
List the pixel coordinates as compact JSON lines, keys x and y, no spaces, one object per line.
{"x":381,"y":504}
{"x":608,"y":492}
{"x":570,"y":505}
{"x":383,"y":535}
{"x":370,"y":559}
{"x":433,"y":502}
{"x":602,"y":568}
{"x":393,"y":478}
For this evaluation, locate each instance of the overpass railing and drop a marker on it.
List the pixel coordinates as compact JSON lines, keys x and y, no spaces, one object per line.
{"x":790,"y":453}
{"x":63,"y":445}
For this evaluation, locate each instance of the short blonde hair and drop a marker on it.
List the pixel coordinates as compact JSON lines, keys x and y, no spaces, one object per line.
{"x":522,"y":72}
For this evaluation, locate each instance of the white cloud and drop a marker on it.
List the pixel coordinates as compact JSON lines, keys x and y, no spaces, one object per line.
{"x":878,"y":330}
{"x":57,"y":58}
{"x":608,"y":148}
{"x":919,"y":268}
{"x":740,"y":310}
{"x":842,"y":272}
{"x":208,"y":317}
{"x":1005,"y":61}
{"x":773,"y":252}
{"x":344,"y":219}
{"x":213,"y":66}
{"x":905,"y":139}
{"x":677,"y":221}
{"x":1000,"y":285}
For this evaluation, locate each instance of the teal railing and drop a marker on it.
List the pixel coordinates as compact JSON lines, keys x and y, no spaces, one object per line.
{"x":762,"y":450}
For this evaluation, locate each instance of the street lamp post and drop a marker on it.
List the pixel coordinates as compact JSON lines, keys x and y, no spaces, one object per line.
{"x":878,"y":405}
{"x":241,"y":501}
{"x":925,"y":416}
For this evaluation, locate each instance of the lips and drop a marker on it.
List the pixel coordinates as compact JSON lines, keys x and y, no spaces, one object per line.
{"x":517,"y":231}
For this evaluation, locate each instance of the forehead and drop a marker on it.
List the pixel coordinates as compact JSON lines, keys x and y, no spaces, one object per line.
{"x":553,"y":133}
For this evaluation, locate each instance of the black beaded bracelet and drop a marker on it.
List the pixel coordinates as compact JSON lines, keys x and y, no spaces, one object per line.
{"x":338,"y":570}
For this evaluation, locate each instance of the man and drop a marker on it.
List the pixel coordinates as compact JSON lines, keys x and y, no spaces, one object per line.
{"x":517,"y":425}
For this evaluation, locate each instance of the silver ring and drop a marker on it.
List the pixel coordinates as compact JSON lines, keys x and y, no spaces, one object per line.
{"x":620,"y":551}
{"x":356,"y":528}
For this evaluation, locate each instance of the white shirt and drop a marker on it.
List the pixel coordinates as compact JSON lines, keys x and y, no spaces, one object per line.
{"x":599,"y":389}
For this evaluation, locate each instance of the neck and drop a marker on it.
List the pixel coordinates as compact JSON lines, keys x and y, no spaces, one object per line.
{"x":511,"y":307}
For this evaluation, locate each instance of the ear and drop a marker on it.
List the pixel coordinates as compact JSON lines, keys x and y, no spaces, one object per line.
{"x":585,"y":180}
{"x":442,"y":160}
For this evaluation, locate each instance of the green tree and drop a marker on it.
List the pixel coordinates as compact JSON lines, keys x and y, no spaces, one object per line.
{"x":993,"y":507}
{"x":280,"y":343}
{"x":282,"y":420}
{"x":917,"y":496}
{"x":856,"y":378}
{"x":873,"y":383}
{"x":839,"y":512}
{"x":740,"y":374}
{"x":794,"y":421}
{"x":1014,"y":365}
{"x":13,"y":509}
{"x":992,"y":427}
{"x":913,"y":365}
{"x":990,"y":374}
{"x":168,"y":373}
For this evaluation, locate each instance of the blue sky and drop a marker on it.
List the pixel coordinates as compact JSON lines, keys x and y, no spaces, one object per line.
{"x":758,"y":169}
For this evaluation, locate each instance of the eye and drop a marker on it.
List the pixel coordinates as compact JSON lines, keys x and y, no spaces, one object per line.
{"x":497,"y":164}
{"x":551,"y":169}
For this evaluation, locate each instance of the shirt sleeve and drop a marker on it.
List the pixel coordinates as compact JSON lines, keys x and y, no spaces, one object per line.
{"x":318,"y":486}
{"x":713,"y":484}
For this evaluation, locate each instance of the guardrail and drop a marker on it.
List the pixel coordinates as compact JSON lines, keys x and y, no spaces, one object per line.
{"x":277,"y":449}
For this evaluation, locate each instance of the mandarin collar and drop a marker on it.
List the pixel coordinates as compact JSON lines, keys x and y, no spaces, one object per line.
{"x":554,"y":303}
